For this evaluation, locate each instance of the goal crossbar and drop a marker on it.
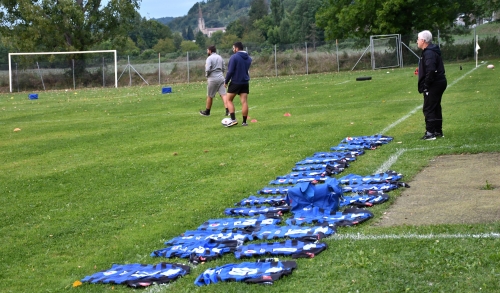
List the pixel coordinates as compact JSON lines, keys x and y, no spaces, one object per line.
{"x":61,"y":53}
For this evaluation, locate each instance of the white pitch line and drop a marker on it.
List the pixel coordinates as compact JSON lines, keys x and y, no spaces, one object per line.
{"x":413,"y":236}
{"x":401,"y":119}
{"x":387,"y":164}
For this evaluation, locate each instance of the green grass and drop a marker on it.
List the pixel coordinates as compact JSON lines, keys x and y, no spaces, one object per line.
{"x":105,"y":176}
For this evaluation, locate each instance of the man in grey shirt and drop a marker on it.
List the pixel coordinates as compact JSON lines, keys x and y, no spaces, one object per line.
{"x":214,"y":72}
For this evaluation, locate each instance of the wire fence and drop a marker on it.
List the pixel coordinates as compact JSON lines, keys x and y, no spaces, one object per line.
{"x":55,"y":72}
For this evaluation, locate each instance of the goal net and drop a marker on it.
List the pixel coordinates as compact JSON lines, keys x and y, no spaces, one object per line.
{"x":62,"y":70}
{"x":386,"y":51}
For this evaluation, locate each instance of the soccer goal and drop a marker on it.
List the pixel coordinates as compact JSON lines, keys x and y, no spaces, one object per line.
{"x":58,"y":70}
{"x":386,"y":51}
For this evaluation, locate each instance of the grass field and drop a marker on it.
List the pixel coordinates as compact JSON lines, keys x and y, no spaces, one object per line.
{"x":102,"y":176}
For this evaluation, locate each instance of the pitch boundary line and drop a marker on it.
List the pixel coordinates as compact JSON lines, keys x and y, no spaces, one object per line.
{"x":414,"y":236}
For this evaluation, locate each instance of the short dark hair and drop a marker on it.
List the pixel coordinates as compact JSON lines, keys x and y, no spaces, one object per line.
{"x":238,"y":45}
{"x":212,"y":49}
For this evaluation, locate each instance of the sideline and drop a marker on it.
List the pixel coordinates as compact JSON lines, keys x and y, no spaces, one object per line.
{"x":413,"y":236}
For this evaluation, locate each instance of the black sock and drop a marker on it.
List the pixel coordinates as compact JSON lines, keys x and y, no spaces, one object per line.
{"x":227,"y":111}
{"x":244,"y":119}
{"x":233,"y":116}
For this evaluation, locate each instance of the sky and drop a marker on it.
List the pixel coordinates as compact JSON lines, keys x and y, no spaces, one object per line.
{"x":165,"y":8}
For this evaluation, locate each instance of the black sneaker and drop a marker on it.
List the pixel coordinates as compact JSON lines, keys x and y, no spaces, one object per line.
{"x":429,"y":136}
{"x":204,"y":113}
{"x":438,"y":134}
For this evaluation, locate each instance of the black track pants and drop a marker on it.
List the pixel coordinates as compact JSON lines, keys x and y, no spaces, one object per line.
{"x":432,"y":107}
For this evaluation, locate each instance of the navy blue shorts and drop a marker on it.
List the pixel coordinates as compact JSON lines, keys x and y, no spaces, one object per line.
{"x":238,"y":88}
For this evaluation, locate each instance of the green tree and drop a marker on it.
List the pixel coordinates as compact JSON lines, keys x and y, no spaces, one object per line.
{"x":262,"y":26}
{"x":201,"y":40}
{"x":303,"y":19}
{"x":273,"y":35}
{"x":216,"y":38}
{"x":362,"y":18}
{"x":236,"y":27}
{"x":285,"y":31}
{"x":164,"y":46}
{"x":189,"y":34}
{"x":258,"y":9}
{"x":277,"y":11}
{"x":64,"y":25}
{"x":146,"y":33}
{"x":178,"y":41}
{"x":228,"y":40}
{"x":189,"y":46}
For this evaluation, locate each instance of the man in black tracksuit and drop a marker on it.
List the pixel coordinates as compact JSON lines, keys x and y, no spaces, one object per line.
{"x":431,"y":83}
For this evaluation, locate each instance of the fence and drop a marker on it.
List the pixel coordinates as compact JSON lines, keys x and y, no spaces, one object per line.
{"x":57,"y":72}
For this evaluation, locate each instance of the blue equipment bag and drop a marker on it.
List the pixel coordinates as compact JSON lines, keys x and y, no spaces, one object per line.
{"x":309,"y":195}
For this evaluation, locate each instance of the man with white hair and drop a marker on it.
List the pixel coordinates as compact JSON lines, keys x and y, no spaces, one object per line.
{"x":431,"y":83}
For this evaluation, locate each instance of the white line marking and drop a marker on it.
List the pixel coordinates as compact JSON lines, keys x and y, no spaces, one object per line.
{"x":387,"y":164}
{"x":413,"y":236}
{"x":401,"y":119}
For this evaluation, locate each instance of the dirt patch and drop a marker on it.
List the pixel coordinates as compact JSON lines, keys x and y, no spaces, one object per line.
{"x":454,"y":189}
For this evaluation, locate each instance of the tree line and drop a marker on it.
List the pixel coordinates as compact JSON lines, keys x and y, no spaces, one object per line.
{"x":80,"y":25}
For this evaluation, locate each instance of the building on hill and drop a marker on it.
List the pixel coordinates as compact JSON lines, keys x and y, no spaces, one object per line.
{"x":201,"y":25}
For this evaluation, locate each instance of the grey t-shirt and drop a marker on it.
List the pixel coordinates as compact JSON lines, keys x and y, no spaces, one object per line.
{"x":214,"y":67}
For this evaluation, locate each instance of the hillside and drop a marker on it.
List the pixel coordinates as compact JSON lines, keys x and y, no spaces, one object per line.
{"x":164,"y":20}
{"x":217,"y":13}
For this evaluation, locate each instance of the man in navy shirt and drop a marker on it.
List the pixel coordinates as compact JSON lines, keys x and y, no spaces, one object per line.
{"x":238,"y":78}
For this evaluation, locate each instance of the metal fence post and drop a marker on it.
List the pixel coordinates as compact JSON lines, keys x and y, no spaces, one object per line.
{"x":337,"y":46}
{"x":275,"y":64}
{"x":307,"y":62}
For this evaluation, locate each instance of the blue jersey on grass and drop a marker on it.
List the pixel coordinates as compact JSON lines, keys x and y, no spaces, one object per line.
{"x":237,"y":223}
{"x":249,"y":272}
{"x":365,"y":200}
{"x":257,"y":210}
{"x":253,"y":200}
{"x":313,"y":233}
{"x":209,"y":249}
{"x":294,"y":248}
{"x":273,"y":190}
{"x":348,"y":217}
{"x":196,"y":236}
{"x":387,"y":176}
{"x":139,"y":275}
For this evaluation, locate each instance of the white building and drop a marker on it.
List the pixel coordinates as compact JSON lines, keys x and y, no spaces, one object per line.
{"x":201,"y":25}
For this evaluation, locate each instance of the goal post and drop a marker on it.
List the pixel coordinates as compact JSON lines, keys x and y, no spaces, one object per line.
{"x":62,"y":53}
{"x":386,"y":51}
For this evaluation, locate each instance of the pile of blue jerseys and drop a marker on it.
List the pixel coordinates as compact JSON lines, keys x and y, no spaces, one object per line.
{"x":315,"y":202}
